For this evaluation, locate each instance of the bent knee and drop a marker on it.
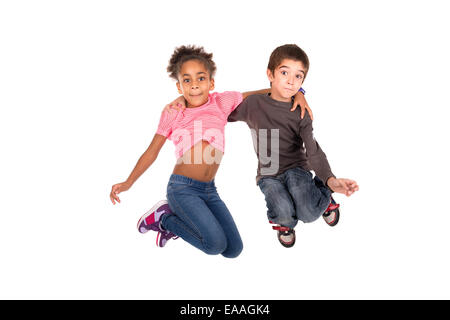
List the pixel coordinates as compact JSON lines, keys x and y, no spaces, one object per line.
{"x":215,"y":245}
{"x":283,"y":215}
{"x":234,"y":250}
{"x":308,"y":215}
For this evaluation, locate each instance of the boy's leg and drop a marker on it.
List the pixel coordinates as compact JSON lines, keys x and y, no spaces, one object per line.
{"x":280,"y":208}
{"x":311,"y":196}
{"x":193,"y":221}
{"x":223,"y":216}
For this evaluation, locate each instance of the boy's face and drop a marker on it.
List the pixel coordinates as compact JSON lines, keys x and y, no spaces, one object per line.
{"x":286,"y":79}
{"x":194,"y":83}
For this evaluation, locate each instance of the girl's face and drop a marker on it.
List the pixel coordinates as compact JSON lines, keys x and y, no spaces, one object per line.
{"x":194,"y":83}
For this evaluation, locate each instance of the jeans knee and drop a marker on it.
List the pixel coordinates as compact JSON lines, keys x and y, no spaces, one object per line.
{"x":310,"y":212}
{"x":308,"y":217}
{"x":215,"y":245}
{"x":284,"y":217}
{"x":234,"y":250}
{"x":283,"y":214}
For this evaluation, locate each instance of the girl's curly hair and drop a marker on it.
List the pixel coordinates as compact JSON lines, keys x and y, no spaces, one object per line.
{"x":186,"y":53}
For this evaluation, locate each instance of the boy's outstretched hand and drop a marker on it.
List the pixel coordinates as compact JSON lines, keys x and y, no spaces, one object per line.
{"x":299,"y":100}
{"x":344,"y":186}
{"x":116,"y":189}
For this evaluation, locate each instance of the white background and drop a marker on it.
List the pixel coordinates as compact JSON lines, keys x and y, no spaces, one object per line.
{"x":82,"y":85}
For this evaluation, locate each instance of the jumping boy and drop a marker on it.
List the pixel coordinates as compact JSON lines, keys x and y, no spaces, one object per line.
{"x":287,"y":150}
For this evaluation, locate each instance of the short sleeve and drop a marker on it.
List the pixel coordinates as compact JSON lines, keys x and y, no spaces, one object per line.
{"x":166,"y":123}
{"x":241,"y":113}
{"x":228,"y":101}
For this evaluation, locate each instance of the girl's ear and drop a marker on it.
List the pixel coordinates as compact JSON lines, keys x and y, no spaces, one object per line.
{"x":179,"y":88}
{"x":211,"y":85}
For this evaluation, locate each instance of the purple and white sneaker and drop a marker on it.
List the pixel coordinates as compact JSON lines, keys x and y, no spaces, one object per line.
{"x":152,"y":221}
{"x":163,"y":237}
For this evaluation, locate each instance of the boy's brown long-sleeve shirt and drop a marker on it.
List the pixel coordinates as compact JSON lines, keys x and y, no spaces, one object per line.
{"x":281,"y":139}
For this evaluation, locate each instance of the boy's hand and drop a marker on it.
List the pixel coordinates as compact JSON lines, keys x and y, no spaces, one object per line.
{"x":344,"y":186}
{"x":178,"y":104}
{"x":116,"y":189}
{"x":300,"y":100}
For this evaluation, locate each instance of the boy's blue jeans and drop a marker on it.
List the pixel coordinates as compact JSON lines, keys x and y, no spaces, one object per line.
{"x":294,"y":195}
{"x":200,"y":217}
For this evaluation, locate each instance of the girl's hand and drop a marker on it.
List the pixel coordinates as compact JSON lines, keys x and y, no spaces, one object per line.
{"x":300,"y":100}
{"x":344,"y":186}
{"x":178,"y":104}
{"x":116,"y":189}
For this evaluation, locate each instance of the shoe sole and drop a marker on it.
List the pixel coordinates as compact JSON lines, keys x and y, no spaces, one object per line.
{"x":287,"y":245}
{"x":336,"y":220}
{"x":157,"y":241}
{"x":162,"y":245}
{"x":156,"y":206}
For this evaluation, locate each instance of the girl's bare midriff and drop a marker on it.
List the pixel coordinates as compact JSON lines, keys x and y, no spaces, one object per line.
{"x":201,"y":162}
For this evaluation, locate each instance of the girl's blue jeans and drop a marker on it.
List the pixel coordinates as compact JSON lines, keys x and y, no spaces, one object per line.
{"x":294,"y":195}
{"x":200,"y":217}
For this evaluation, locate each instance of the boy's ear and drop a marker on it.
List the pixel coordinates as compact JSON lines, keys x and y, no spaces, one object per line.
{"x":269,"y":75}
{"x":179,"y":88}
{"x":211,"y":85}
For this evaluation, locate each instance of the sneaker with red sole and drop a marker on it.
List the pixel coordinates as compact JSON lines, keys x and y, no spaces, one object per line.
{"x":286,"y":236}
{"x":331,"y":215}
{"x":151,"y":220}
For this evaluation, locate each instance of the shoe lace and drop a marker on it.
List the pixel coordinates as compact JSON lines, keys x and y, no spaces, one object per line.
{"x":169,"y":235}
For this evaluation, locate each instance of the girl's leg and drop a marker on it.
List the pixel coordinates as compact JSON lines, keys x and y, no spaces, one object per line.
{"x":223,"y":216}
{"x":193,"y":221}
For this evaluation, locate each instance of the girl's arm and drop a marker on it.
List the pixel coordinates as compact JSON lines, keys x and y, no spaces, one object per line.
{"x":144,"y":162}
{"x":249,"y":93}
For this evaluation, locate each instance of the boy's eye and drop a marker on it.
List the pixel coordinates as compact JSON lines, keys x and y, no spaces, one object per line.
{"x":299,"y":76}
{"x":283,"y":72}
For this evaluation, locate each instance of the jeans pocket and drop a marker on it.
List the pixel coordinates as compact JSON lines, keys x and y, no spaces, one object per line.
{"x":269,"y":184}
{"x":176,"y":187}
{"x":302,"y":173}
{"x":260,"y":182}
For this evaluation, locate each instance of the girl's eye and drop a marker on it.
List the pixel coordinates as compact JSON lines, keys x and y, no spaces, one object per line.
{"x":186,"y":80}
{"x":201,"y":78}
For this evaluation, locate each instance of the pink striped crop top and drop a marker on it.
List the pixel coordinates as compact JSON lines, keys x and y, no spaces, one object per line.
{"x":207,"y":122}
